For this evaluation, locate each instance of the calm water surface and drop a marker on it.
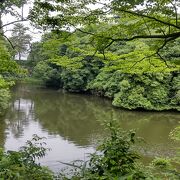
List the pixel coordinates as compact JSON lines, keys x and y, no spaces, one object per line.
{"x":72,"y":124}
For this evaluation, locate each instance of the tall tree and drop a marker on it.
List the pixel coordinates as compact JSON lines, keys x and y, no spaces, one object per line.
{"x":20,"y":39}
{"x":10,"y":7}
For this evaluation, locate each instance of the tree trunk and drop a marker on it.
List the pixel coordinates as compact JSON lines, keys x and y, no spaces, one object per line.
{"x":19,"y":56}
{"x":1,"y":23}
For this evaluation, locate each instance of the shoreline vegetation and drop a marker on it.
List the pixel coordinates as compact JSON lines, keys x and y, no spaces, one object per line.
{"x":123,"y":74}
{"x":145,"y":91}
{"x":115,"y":157}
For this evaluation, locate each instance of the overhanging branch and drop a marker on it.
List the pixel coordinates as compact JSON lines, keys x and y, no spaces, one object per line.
{"x":143,"y":15}
{"x":149,"y":17}
{"x":13,"y":22}
{"x":171,"y":36}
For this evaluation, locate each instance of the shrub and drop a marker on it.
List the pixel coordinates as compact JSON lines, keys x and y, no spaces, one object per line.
{"x":22,"y":164}
{"x":51,"y":76}
{"x":150,"y":91}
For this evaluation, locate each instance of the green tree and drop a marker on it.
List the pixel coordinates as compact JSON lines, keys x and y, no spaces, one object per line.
{"x":69,"y":62}
{"x":8,"y":69}
{"x":35,"y":54}
{"x":20,"y":39}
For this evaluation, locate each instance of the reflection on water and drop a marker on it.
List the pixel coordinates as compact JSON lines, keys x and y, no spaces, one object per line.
{"x":22,"y":110}
{"x":72,"y":123}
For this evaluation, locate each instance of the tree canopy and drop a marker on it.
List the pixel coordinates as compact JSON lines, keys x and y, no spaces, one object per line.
{"x":154,"y":21}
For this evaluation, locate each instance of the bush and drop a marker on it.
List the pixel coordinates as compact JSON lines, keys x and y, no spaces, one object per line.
{"x":51,"y":76}
{"x":22,"y":164}
{"x":72,"y":74}
{"x":150,"y":91}
{"x":4,"y":100}
{"x":75,"y":80}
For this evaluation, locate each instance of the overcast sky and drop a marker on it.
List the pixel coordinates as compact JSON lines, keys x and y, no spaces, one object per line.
{"x":36,"y":34}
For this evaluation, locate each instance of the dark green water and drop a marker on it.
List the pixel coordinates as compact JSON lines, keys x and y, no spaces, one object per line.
{"x":72,"y":124}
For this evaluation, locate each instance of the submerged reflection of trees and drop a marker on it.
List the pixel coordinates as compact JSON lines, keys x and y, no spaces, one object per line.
{"x":18,"y":116}
{"x":68,"y":115}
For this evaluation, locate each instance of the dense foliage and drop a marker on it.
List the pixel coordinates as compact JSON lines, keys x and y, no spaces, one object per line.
{"x":4,"y":95}
{"x":152,"y":91}
{"x":68,"y":62}
{"x":8,"y":70}
{"x":135,"y":41}
{"x":20,"y":40}
{"x":4,"y":86}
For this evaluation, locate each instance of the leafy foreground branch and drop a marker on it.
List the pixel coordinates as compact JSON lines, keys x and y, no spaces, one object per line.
{"x":22,"y":164}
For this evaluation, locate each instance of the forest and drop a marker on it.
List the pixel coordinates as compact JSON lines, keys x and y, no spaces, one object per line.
{"x":126,"y":51}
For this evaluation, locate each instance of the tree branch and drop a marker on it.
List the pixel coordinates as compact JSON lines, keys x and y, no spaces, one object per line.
{"x":8,"y":40}
{"x":13,"y":22}
{"x":149,"y":17}
{"x":172,"y":36}
{"x":164,"y":44}
{"x":136,"y":62}
{"x":142,"y":15}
